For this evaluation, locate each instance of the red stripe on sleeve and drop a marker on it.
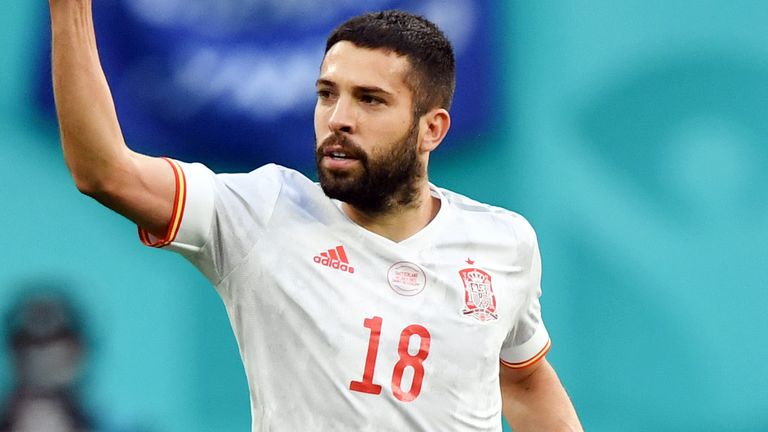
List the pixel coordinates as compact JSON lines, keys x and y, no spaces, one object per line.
{"x":179,"y":201}
{"x":540,"y":355}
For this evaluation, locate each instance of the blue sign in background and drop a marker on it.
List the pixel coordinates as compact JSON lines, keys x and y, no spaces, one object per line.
{"x":232,"y":83}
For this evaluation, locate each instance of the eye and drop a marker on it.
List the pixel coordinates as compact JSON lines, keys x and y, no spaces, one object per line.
{"x":323,"y":94}
{"x":371,"y":100}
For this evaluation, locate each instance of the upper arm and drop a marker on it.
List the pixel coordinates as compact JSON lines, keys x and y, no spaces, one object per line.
{"x":533,"y":399}
{"x":515,"y":383}
{"x":509,"y":376}
{"x":141,"y":188}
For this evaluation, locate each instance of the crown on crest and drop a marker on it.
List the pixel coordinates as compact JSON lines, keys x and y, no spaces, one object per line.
{"x":476,"y":276}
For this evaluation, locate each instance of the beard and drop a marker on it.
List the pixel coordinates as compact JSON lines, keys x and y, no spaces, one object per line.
{"x":385,"y":179}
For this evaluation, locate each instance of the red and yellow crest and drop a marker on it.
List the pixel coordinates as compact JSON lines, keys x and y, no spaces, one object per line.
{"x":479,"y":300}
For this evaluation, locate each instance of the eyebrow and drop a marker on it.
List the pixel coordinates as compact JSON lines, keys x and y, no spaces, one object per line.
{"x":361,"y":89}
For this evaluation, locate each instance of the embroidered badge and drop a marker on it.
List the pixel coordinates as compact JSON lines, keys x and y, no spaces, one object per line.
{"x":479,"y":300}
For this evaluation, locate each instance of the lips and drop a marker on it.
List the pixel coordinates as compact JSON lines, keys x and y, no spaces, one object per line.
{"x":339,"y":153}
{"x":334,"y":159}
{"x":340,"y":148}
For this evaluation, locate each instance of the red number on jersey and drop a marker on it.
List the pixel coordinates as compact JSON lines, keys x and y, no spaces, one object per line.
{"x":415,"y":361}
{"x":367,"y":385}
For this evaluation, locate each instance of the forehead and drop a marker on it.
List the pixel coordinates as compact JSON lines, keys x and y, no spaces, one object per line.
{"x":349,"y":65}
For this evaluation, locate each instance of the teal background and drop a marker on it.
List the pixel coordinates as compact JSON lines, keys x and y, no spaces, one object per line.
{"x":633,"y":135}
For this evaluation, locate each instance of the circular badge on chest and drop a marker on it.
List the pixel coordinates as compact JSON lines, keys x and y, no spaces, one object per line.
{"x":406,"y":278}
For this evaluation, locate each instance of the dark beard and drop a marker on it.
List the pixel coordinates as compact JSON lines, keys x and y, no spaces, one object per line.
{"x":389,"y":177}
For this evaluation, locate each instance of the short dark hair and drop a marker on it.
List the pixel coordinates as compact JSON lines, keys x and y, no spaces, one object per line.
{"x":433,"y":67}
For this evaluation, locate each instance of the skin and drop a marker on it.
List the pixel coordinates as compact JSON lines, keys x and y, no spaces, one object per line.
{"x":137,"y":186}
{"x":362,"y":94}
{"x":533,"y":399}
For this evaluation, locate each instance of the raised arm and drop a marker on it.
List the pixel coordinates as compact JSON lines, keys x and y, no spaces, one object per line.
{"x":534,"y":400}
{"x":139,"y":187}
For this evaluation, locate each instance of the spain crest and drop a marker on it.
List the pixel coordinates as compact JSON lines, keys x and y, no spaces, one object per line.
{"x":479,"y":300}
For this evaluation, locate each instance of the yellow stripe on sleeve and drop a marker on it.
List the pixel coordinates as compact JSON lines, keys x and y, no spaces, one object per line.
{"x":540,"y":355}
{"x":177,"y":214}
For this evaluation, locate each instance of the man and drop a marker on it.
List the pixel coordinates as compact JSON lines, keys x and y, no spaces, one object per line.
{"x":374,"y":301}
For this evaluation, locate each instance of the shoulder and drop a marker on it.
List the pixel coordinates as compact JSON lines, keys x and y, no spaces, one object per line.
{"x":277,"y":178}
{"x":489,"y":220}
{"x":268,"y":172}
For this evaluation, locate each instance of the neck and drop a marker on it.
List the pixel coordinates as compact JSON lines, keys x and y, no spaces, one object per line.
{"x":399,"y":222}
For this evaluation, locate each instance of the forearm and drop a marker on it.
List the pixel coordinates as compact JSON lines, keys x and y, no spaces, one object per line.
{"x":538,"y":403}
{"x":90,"y":133}
{"x":137,"y":186}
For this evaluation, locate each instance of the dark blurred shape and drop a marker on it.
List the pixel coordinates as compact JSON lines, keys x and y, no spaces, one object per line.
{"x":48,"y":351}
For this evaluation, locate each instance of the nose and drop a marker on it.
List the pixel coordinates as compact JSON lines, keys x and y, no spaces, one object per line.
{"x":342,"y":117}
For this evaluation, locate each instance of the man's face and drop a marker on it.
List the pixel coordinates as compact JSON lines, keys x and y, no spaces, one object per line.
{"x":366,"y":133}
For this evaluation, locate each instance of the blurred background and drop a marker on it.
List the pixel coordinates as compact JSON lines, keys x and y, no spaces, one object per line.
{"x":633,"y":135}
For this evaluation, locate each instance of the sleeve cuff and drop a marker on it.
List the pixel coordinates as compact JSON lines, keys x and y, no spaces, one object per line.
{"x":179,"y":201}
{"x":528,"y":353}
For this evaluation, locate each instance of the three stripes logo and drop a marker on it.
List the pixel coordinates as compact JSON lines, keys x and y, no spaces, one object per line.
{"x":335,"y":258}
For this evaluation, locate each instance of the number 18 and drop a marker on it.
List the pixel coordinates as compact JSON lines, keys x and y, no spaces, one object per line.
{"x":406,"y":359}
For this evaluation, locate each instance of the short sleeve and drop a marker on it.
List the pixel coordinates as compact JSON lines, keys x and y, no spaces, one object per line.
{"x":217,"y":218}
{"x":528,"y":341}
{"x":193,"y":207}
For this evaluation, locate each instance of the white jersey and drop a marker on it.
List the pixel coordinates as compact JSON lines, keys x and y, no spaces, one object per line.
{"x":341,"y":329}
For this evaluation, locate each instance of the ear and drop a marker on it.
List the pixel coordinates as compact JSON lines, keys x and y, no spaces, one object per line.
{"x":434,"y":127}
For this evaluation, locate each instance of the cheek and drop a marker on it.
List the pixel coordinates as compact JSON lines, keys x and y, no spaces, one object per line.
{"x":317,"y":114}
{"x":320,"y":123}
{"x":395,"y":130}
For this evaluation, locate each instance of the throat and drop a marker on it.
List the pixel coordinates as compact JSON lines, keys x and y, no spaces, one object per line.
{"x":400,"y":222}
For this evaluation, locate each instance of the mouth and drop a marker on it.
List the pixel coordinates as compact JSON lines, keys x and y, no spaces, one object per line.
{"x":339,"y":152}
{"x":338,"y":155}
{"x":336,"y":160}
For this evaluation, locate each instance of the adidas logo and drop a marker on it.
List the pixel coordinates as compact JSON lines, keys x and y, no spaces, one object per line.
{"x":335,"y":258}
